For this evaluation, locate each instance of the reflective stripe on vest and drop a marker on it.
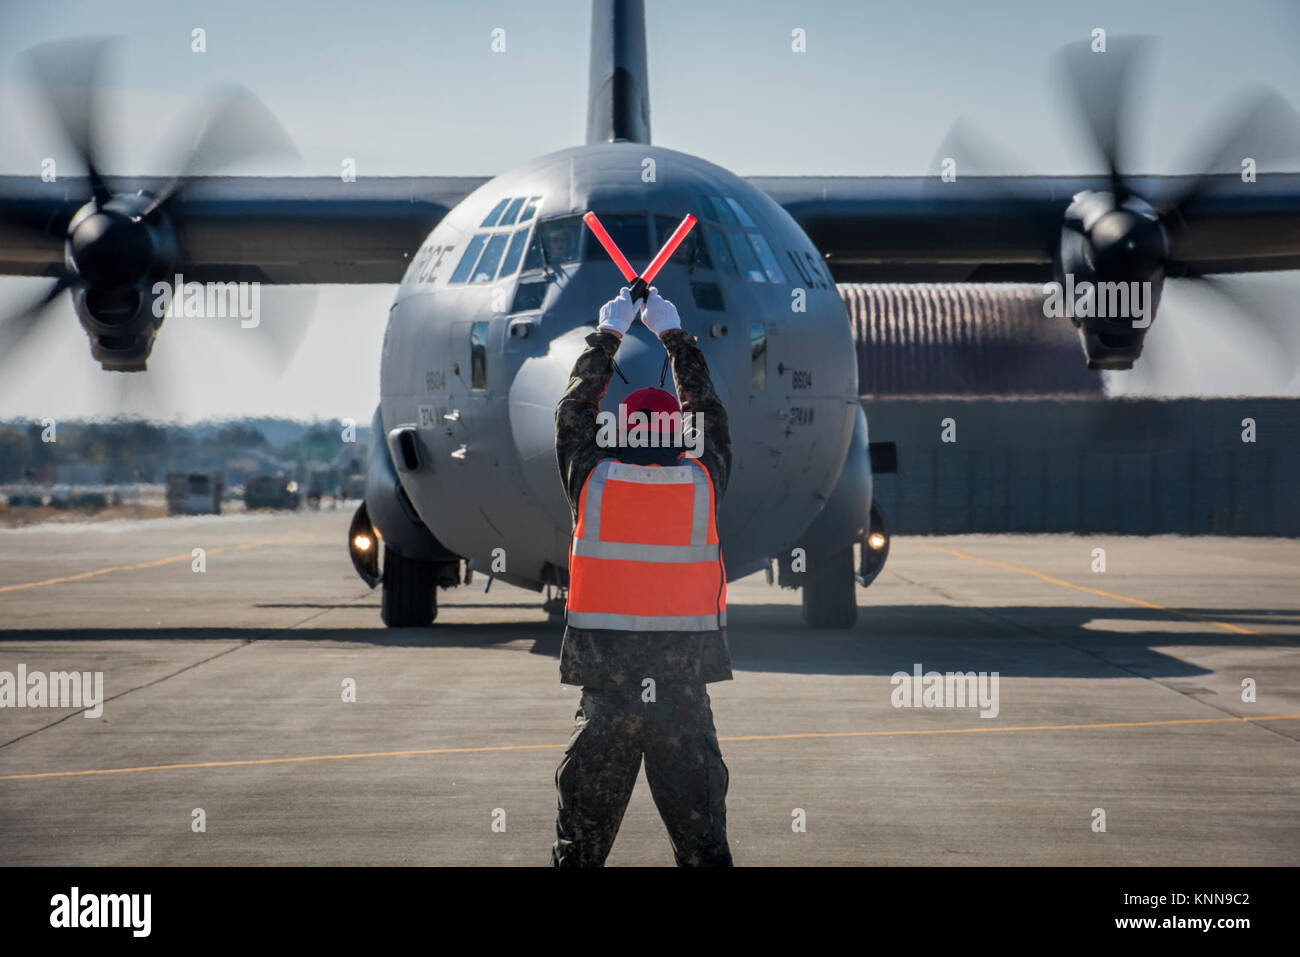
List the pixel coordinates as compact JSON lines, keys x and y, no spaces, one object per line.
{"x":645,"y":553}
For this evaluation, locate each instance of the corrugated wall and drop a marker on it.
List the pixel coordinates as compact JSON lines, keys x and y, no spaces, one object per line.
{"x":962,"y":339}
{"x":1076,"y":462}
{"x":1122,"y":466}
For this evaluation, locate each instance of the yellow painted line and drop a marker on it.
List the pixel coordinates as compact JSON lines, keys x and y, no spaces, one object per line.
{"x":154,"y":564}
{"x":555,"y":747}
{"x":1226,"y":626}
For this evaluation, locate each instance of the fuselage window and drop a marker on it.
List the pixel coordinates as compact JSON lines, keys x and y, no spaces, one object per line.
{"x":478,"y":333}
{"x":486,"y":270}
{"x":516,"y":251}
{"x":529,"y":296}
{"x":757,"y":356}
{"x":708,"y":295}
{"x":470,"y":257}
{"x":491,"y":218}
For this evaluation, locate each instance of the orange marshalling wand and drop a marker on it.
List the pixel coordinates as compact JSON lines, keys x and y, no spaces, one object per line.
{"x":640,"y":284}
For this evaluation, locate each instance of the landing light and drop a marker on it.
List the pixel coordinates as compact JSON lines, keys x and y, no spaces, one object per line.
{"x":876,"y":541}
{"x":362,"y":542}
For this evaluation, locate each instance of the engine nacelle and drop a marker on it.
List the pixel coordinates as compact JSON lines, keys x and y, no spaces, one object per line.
{"x":121,"y":325}
{"x":118,"y":254}
{"x":1109,"y":275}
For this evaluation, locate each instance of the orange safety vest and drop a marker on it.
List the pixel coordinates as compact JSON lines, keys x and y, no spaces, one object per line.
{"x":645,"y":553}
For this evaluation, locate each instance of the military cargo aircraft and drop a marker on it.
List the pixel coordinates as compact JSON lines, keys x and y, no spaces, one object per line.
{"x":500,"y":283}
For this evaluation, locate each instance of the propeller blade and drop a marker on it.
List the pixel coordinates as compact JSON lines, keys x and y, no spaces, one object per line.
{"x":16,"y":327}
{"x":1259,"y":124}
{"x":1269,"y":319}
{"x":69,"y":74}
{"x":281,"y":320}
{"x":1100,"y":85}
{"x":237,"y":126}
{"x":974,"y":154}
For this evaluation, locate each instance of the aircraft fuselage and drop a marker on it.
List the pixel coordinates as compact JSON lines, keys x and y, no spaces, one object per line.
{"x":487,"y":324}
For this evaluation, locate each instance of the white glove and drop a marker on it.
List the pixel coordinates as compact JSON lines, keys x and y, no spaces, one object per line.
{"x":660,"y":315}
{"x":616,"y":315}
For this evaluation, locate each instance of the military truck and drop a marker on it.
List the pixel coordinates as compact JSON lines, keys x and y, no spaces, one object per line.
{"x":271,"y":491}
{"x":194,"y":493}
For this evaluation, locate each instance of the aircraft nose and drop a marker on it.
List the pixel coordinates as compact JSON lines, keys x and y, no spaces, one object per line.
{"x":640,"y":357}
{"x":540,"y":382}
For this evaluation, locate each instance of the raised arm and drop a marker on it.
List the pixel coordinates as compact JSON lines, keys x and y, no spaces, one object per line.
{"x":695,"y":390}
{"x":576,"y":450}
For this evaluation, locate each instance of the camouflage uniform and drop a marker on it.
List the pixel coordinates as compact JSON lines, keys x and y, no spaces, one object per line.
{"x":613,"y":726}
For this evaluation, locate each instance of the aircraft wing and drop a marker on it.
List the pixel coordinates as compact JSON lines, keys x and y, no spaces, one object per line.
{"x":994,"y":229}
{"x":882,"y":229}
{"x":267,"y":229}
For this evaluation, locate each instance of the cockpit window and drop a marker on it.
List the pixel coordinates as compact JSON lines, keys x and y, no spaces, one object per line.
{"x":561,"y":239}
{"x":693,"y":251}
{"x":502,"y":246}
{"x":744,"y":255}
{"x":629,"y":232}
{"x":491,"y":218}
{"x":723,"y":212}
{"x":514,"y":253}
{"x":743,"y":216}
{"x":512,"y":211}
{"x":486,"y":270}
{"x":798,"y":267}
{"x":739,"y":244}
{"x":530,"y":209}
{"x":770,"y":266}
{"x":468,"y":258}
{"x":718,"y":243}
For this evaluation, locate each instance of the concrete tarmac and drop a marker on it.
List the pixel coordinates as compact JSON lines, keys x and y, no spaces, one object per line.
{"x":1146,"y":714}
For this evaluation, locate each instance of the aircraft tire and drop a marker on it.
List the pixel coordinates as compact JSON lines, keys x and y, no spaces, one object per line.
{"x":829,"y":595}
{"x":410,"y":599}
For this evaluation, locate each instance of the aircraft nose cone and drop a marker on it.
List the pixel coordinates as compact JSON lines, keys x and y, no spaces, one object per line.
{"x":640,"y":356}
{"x":541,"y":381}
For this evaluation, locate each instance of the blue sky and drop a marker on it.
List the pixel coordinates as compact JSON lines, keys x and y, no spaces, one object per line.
{"x":411,"y":87}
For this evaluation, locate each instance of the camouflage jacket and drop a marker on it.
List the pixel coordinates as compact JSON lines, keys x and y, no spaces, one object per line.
{"x":621,"y":659}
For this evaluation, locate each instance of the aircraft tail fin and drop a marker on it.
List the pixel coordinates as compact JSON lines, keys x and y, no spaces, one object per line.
{"x":618,"y":95}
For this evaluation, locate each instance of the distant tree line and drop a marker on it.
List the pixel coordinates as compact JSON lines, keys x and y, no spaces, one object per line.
{"x":137,"y":451}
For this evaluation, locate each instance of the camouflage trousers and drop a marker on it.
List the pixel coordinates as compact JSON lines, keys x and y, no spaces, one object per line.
{"x":683,"y":763}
